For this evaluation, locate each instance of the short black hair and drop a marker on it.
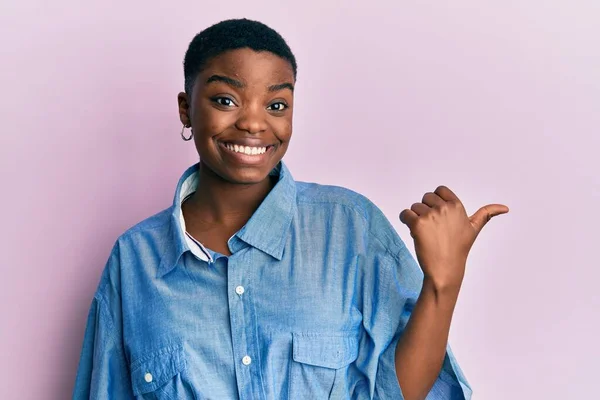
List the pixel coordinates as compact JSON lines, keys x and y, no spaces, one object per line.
{"x":228,"y":35}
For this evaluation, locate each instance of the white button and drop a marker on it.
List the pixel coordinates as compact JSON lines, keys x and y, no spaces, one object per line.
{"x":246,"y":360}
{"x":148,"y":377}
{"x":239,"y":290}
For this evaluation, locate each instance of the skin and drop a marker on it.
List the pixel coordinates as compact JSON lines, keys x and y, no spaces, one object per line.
{"x":443,"y":234}
{"x":242,"y":97}
{"x":247,"y":97}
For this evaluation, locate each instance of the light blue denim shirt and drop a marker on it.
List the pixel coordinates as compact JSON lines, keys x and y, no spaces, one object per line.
{"x":310,"y":305}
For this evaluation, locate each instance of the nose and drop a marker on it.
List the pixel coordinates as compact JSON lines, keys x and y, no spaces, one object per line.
{"x":252,"y":119}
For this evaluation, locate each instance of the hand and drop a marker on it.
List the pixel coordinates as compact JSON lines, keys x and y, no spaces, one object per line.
{"x":444,"y":234}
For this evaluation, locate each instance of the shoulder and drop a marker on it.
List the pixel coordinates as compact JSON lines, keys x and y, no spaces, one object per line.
{"x":157,"y":223}
{"x":360,"y":207}
{"x":148,"y":236}
{"x":335,"y":196}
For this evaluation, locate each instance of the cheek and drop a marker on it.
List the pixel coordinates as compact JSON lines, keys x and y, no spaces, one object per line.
{"x":213,"y":122}
{"x":283,"y":128}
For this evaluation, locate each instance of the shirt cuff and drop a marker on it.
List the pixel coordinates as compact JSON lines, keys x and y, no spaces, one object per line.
{"x":451,"y":384}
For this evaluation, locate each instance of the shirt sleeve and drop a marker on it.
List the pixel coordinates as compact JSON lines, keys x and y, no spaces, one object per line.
{"x":391,"y":283}
{"x":103,"y":371}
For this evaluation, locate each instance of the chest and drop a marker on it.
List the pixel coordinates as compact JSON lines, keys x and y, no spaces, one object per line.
{"x":248,"y":323}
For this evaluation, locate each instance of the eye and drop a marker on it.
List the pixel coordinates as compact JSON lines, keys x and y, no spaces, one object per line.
{"x":224,"y":101}
{"x":279,"y":106}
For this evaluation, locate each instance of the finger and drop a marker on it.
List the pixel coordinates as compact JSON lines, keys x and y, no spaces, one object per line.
{"x":420,"y":208}
{"x":408,"y":217}
{"x":446,"y":194}
{"x":432,"y":200}
{"x":485,"y":213}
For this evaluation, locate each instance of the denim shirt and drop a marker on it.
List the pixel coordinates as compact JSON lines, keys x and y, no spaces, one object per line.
{"x":310,"y":305}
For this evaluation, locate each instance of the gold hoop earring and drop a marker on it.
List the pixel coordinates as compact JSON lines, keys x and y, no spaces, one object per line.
{"x":187,"y":138}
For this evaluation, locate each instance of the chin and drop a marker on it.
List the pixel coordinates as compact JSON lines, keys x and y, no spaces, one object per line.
{"x":245,"y":176}
{"x":232,"y":166}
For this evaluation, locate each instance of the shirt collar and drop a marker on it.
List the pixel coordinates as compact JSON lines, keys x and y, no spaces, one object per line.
{"x":266,"y":230}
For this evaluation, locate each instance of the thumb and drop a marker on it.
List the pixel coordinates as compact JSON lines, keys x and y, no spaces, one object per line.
{"x":485,"y":213}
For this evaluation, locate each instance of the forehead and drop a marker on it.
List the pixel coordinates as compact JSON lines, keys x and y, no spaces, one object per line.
{"x":250,"y":67}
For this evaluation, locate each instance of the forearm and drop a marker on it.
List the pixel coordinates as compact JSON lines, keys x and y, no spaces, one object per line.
{"x":421,"y":349}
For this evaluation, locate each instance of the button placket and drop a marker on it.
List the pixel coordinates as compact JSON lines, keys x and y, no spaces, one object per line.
{"x":242,"y":325}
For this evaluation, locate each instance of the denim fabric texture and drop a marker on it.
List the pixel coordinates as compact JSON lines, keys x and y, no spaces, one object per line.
{"x":310,"y":305}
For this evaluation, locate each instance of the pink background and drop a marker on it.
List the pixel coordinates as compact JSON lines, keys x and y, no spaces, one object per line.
{"x":499,"y":102}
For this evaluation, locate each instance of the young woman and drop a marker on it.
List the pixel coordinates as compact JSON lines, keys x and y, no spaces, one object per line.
{"x":254,"y":286}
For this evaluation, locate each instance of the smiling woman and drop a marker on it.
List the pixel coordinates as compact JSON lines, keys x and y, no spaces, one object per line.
{"x":240,"y":113}
{"x":255,"y":286}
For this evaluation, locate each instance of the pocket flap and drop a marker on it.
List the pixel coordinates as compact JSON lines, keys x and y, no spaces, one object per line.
{"x":325,"y":350}
{"x":155,"y":369}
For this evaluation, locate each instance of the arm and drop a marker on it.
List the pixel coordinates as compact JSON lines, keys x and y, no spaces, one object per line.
{"x":443,"y":235}
{"x":103,"y":371}
{"x":421,"y":349}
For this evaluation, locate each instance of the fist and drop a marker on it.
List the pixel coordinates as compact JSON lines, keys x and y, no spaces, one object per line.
{"x":444,"y":234}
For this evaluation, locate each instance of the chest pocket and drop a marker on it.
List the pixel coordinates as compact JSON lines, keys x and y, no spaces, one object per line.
{"x":319,"y":365}
{"x":160,"y":375}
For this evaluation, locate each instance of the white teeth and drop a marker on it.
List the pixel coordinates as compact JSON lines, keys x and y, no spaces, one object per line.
{"x":251,"y":151}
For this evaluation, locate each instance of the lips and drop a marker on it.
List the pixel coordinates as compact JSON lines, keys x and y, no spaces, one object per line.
{"x":247,"y":142}
{"x":246,"y":152}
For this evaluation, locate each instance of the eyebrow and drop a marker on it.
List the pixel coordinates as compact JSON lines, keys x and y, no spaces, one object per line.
{"x":281,"y":86}
{"x":237,"y":84}
{"x":227,"y":80}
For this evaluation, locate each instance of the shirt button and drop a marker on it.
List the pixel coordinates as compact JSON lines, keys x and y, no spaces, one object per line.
{"x":246,"y":360}
{"x":239,"y":290}
{"x":148,"y":377}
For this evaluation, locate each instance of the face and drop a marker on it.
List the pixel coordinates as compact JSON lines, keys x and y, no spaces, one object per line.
{"x":240,"y":111}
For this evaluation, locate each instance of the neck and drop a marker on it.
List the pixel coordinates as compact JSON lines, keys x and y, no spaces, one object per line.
{"x":220,"y":202}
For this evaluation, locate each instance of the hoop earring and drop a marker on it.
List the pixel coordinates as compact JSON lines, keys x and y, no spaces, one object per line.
{"x":187,"y":138}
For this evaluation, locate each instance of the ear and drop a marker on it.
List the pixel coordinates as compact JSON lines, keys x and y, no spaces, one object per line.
{"x":184,"y":109}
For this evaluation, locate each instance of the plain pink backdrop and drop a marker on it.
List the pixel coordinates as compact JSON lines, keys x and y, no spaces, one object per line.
{"x":499,"y":102}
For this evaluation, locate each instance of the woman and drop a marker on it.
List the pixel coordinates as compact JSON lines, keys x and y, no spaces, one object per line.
{"x":254,"y":286}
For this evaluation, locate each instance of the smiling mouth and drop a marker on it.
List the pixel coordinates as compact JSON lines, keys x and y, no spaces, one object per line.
{"x":246,"y":150}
